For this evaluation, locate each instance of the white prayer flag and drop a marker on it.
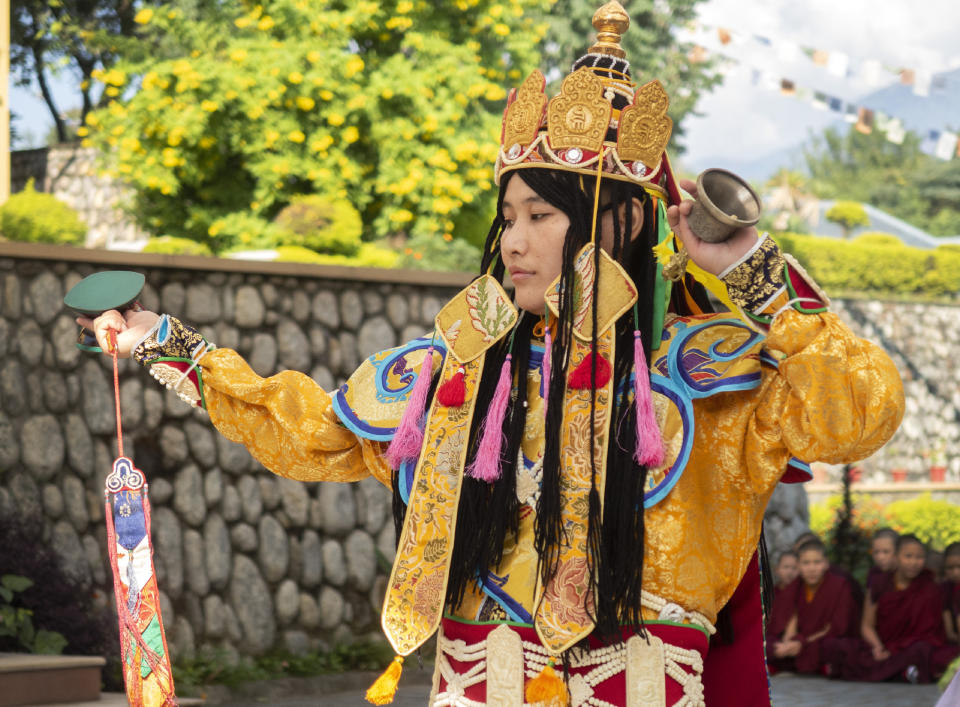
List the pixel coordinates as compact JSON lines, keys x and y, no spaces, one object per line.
{"x":921,"y":82}
{"x":895,"y":131}
{"x":871,"y":70}
{"x":838,"y":63}
{"x":787,"y":51}
{"x":946,"y":146}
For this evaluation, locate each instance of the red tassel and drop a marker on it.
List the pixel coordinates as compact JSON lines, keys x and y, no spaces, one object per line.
{"x":581,"y":377}
{"x":453,"y":393}
{"x":486,"y":464}
{"x":649,"y":451}
{"x":409,"y":437}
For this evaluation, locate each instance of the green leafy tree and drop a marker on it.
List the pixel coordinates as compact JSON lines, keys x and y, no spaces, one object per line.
{"x":79,"y":36}
{"x":393,"y":106}
{"x":651,"y":47}
{"x":850,"y":165}
{"x":900,"y":179}
{"x":848,"y":215}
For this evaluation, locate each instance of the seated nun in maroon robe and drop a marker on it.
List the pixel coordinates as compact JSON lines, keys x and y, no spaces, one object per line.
{"x":821,"y":605}
{"x":883,"y":551}
{"x":902,"y":628}
{"x":951,"y":592}
{"x":786,"y":570}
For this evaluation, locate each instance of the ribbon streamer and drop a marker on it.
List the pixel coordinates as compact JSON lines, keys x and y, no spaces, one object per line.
{"x":147,"y":674}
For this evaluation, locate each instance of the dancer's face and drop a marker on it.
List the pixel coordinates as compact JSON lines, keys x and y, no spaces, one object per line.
{"x":532,"y":243}
{"x":533,"y":238}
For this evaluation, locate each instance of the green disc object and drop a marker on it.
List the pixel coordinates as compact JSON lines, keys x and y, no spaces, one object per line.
{"x":103,"y":291}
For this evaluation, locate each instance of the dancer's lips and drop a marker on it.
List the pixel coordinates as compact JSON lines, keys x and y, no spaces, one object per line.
{"x":518,"y":274}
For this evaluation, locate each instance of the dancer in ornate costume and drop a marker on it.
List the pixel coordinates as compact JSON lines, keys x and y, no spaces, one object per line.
{"x":580,"y":482}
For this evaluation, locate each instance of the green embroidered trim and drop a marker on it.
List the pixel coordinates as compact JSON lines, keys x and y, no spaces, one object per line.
{"x":518,"y":624}
{"x":799,"y":306}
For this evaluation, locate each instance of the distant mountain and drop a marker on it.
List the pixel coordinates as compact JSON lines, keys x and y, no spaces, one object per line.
{"x":938,"y":111}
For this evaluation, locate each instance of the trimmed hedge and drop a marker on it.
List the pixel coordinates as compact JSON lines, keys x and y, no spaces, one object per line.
{"x":875,"y":264}
{"x":173,"y":245}
{"x":368,"y":256}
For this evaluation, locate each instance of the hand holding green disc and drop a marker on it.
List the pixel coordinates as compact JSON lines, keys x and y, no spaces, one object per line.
{"x":99,"y":293}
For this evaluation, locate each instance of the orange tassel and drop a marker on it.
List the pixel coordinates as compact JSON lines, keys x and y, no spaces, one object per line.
{"x":547,"y":688}
{"x":383,"y":690}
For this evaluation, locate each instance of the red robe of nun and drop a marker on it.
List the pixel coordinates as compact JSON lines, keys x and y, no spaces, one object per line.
{"x":951,"y":601}
{"x":832,"y":607}
{"x":910,"y":626}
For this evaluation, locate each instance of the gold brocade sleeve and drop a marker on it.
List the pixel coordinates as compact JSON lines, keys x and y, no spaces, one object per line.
{"x":287,"y":422}
{"x":837,"y":398}
{"x":833,"y":397}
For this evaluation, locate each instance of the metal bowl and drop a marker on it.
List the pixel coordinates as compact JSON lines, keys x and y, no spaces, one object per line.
{"x":724,"y":203}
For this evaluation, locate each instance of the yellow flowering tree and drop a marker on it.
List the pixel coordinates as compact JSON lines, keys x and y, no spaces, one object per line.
{"x":393,"y":106}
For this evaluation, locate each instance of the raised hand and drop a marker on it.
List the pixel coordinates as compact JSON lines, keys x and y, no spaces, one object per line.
{"x":712,"y":257}
{"x":129,"y":327}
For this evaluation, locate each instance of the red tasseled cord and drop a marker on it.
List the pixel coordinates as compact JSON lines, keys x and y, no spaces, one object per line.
{"x":453,"y":393}
{"x":649,"y":451}
{"x":409,"y":437}
{"x":580,"y":379}
{"x":486,"y":465}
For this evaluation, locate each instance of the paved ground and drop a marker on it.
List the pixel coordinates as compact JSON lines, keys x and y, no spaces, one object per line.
{"x":788,"y":691}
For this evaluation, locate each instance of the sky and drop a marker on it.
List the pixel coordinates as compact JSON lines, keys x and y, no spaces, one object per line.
{"x":741,"y":121}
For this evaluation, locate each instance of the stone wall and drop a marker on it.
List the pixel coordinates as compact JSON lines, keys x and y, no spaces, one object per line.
{"x":247,"y":560}
{"x":69,"y":172}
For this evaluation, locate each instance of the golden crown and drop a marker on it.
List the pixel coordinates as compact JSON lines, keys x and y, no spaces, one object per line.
{"x":581,"y":125}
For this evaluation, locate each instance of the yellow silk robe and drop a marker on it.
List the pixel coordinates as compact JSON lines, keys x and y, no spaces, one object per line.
{"x":817,"y":393}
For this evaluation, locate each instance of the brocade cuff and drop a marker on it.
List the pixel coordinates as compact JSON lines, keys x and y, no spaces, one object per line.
{"x":172,"y":350}
{"x":756,"y":280}
{"x":767,"y":282}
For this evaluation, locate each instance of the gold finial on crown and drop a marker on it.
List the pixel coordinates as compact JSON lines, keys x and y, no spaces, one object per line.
{"x":610,"y":21}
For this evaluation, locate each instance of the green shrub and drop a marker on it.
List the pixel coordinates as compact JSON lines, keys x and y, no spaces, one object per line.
{"x":172,"y":245}
{"x":36,"y":217}
{"x":848,"y":215}
{"x":243,"y":230}
{"x":369,"y":255}
{"x":875,"y":238}
{"x":436,"y":252}
{"x":213,"y":666}
{"x":16,"y":621}
{"x":935,"y":522}
{"x":876,"y":265}
{"x":321,"y":224}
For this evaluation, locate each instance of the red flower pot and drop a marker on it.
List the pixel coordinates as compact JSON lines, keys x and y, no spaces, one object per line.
{"x":899,"y":475}
{"x":938,"y":474}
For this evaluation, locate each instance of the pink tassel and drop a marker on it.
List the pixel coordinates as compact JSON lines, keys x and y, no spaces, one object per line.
{"x":545,"y":369}
{"x":409,"y":437}
{"x":649,"y":442}
{"x":486,"y":465}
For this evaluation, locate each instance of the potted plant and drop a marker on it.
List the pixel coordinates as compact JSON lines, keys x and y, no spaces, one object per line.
{"x":938,"y":462}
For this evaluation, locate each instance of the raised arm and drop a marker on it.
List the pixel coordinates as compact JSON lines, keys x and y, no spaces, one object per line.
{"x":286,"y":421}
